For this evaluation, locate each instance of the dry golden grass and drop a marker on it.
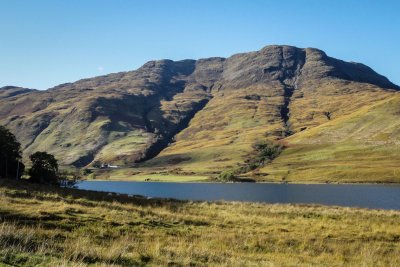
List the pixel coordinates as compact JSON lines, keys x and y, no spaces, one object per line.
{"x":59,"y":227}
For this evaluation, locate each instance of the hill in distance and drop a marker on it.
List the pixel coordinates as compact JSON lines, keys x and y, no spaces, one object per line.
{"x":195,"y":118}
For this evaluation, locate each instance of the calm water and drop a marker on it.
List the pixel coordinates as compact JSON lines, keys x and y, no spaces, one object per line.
{"x":367,"y":196}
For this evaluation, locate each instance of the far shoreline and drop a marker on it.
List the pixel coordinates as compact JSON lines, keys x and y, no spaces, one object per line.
{"x":243,"y":182}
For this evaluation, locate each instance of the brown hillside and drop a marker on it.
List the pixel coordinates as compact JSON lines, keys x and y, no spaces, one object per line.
{"x":203,"y":115}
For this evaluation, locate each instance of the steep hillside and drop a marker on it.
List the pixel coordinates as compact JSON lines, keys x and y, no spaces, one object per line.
{"x":191,"y":116}
{"x":291,"y":90}
{"x":116,"y":117}
{"x":362,"y":146}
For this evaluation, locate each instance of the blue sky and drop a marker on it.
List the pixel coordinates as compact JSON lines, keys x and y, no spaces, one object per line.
{"x":47,"y":42}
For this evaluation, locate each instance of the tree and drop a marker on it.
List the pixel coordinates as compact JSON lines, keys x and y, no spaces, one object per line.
{"x":44,"y":169}
{"x":10,"y":155}
{"x":267,"y":151}
{"x":227,"y":176}
{"x":96,"y":164}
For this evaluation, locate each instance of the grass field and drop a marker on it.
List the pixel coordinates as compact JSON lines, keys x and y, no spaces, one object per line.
{"x":59,"y":227}
{"x":144,"y":174}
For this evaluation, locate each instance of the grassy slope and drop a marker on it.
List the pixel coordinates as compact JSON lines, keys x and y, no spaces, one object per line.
{"x":109,"y":118}
{"x":218,"y":137}
{"x":338,"y":97}
{"x":221,"y":137}
{"x":77,"y":228}
{"x":360,"y":147}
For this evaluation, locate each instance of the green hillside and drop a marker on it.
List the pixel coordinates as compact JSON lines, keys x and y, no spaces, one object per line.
{"x":363,"y":146}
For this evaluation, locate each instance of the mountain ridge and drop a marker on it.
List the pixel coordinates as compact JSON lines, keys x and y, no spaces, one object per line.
{"x":319,"y":54}
{"x":164,"y":107}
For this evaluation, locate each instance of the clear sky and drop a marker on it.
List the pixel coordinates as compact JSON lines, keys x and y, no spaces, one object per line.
{"x":47,"y":42}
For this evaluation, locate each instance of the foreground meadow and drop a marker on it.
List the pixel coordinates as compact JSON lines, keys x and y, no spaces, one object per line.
{"x":64,"y":227}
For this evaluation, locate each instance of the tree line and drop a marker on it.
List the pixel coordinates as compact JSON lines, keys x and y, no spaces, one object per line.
{"x":44,"y":167}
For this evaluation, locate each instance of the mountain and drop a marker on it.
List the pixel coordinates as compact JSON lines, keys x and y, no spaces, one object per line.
{"x":203,"y":116}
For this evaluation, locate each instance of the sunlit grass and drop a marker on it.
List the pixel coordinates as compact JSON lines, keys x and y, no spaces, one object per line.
{"x":361,"y":147}
{"x":59,"y":227}
{"x":130,"y":175}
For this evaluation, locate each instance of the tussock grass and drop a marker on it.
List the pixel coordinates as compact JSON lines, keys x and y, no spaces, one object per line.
{"x":64,"y":227}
